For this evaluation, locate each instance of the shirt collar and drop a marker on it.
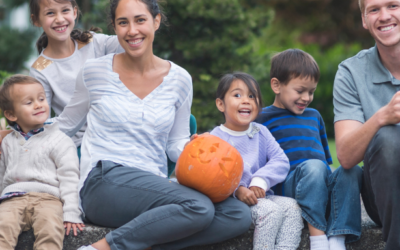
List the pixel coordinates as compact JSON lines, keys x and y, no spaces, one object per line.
{"x":250,"y":132}
{"x":381,"y":74}
{"x":30,"y":133}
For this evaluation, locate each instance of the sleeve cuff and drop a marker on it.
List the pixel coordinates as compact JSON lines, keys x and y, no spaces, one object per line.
{"x":259,"y":182}
{"x":72,"y":217}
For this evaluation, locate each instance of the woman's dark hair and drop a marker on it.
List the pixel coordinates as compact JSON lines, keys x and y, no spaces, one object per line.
{"x":42,"y":42}
{"x":153,"y":7}
{"x":227,"y":80}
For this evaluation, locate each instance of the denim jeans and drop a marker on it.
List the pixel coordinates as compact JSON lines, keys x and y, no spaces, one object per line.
{"x":149,"y":210}
{"x":381,"y":187}
{"x":329,"y":201}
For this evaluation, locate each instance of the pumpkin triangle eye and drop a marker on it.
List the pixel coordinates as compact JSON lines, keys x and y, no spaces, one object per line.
{"x":223,"y":169}
{"x":226,"y":159}
{"x":213,"y":150}
{"x":201,"y":151}
{"x":216,"y":144}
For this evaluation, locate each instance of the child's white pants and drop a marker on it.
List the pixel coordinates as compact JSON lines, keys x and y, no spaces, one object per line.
{"x":278,"y":223}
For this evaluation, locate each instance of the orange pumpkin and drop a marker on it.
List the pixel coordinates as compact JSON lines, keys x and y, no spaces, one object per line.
{"x":210,"y":165}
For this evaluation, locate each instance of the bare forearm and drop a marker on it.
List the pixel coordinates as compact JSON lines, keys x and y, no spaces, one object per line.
{"x":351,"y":146}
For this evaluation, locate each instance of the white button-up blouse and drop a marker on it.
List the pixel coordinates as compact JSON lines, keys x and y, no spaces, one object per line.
{"x":124,"y":128}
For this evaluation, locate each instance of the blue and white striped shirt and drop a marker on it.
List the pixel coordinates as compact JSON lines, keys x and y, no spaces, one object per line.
{"x":124,"y":128}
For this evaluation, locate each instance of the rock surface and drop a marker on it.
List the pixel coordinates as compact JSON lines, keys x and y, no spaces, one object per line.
{"x":371,"y":239}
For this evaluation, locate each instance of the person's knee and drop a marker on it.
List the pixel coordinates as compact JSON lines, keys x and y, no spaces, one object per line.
{"x":386,"y":142}
{"x":202,"y":209}
{"x":382,"y":152}
{"x":352,"y":175}
{"x":271,"y":209}
{"x":314,"y":171}
{"x":292,"y":205}
{"x":243,"y":215}
{"x":236,"y":213}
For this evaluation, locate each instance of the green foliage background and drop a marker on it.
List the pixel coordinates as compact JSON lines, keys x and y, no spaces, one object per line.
{"x":212,"y":37}
{"x":15,"y":48}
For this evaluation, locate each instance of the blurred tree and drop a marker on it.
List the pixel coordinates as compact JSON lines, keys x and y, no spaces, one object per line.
{"x":14,"y":3}
{"x":3,"y":76}
{"x":204,"y":37}
{"x":14,"y":48}
{"x":84,"y":5}
{"x":325,"y":22}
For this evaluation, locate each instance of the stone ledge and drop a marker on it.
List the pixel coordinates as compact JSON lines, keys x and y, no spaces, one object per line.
{"x":371,"y":239}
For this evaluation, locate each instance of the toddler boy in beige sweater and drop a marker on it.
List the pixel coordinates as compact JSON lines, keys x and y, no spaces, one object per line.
{"x":39,"y":170}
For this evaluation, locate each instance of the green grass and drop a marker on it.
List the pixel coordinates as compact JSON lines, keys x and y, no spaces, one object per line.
{"x":332,"y":148}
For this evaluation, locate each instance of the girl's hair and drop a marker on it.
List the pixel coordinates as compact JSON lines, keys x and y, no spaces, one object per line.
{"x":153,"y":6}
{"x":42,"y":42}
{"x":227,"y":80}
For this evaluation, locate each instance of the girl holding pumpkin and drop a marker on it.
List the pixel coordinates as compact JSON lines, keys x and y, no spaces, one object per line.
{"x":278,"y":222}
{"x":137,"y":108}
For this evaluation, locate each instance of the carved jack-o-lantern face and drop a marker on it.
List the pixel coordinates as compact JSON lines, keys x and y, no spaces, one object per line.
{"x":211,"y":166}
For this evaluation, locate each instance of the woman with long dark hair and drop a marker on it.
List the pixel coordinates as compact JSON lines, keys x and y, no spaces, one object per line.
{"x":137,"y":108}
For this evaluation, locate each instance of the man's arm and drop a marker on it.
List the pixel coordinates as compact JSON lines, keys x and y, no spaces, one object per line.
{"x":353,"y":137}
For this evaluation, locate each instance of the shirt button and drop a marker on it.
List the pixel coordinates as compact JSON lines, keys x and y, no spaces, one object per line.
{"x":21,"y":142}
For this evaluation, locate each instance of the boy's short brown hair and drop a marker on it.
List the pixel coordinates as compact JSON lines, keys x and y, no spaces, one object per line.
{"x":293,"y":63}
{"x":6,"y":99}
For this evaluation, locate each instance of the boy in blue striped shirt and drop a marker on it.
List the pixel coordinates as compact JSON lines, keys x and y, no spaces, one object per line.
{"x":330,"y":202}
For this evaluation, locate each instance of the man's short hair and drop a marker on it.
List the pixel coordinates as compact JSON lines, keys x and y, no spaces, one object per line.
{"x":361,"y":5}
{"x":293,"y":63}
{"x":6,"y":99}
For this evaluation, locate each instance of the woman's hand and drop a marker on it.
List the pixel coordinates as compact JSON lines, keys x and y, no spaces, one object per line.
{"x":68,"y":226}
{"x":246,"y":195}
{"x":259,"y":192}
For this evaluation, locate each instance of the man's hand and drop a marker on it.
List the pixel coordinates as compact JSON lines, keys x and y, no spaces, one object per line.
{"x":390,"y":114}
{"x":68,"y":226}
{"x":246,"y":195}
{"x":259,"y":192}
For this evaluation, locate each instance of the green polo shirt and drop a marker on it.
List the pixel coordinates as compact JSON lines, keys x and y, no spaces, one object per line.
{"x":362,"y":86}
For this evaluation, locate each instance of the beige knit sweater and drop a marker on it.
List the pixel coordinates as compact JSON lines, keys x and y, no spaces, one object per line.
{"x":46,"y":163}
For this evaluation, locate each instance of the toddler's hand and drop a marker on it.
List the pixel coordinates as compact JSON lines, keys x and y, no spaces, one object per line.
{"x":259,"y":192}
{"x":68,"y":226}
{"x":246,"y":195}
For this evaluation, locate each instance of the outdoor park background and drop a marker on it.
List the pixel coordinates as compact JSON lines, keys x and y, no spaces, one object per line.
{"x":211,"y":37}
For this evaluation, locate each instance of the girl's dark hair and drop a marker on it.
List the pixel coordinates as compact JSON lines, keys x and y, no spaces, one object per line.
{"x":42,"y":42}
{"x":227,"y":80}
{"x":153,"y":6}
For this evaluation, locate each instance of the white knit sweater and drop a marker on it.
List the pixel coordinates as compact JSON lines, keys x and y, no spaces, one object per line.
{"x":46,"y":163}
